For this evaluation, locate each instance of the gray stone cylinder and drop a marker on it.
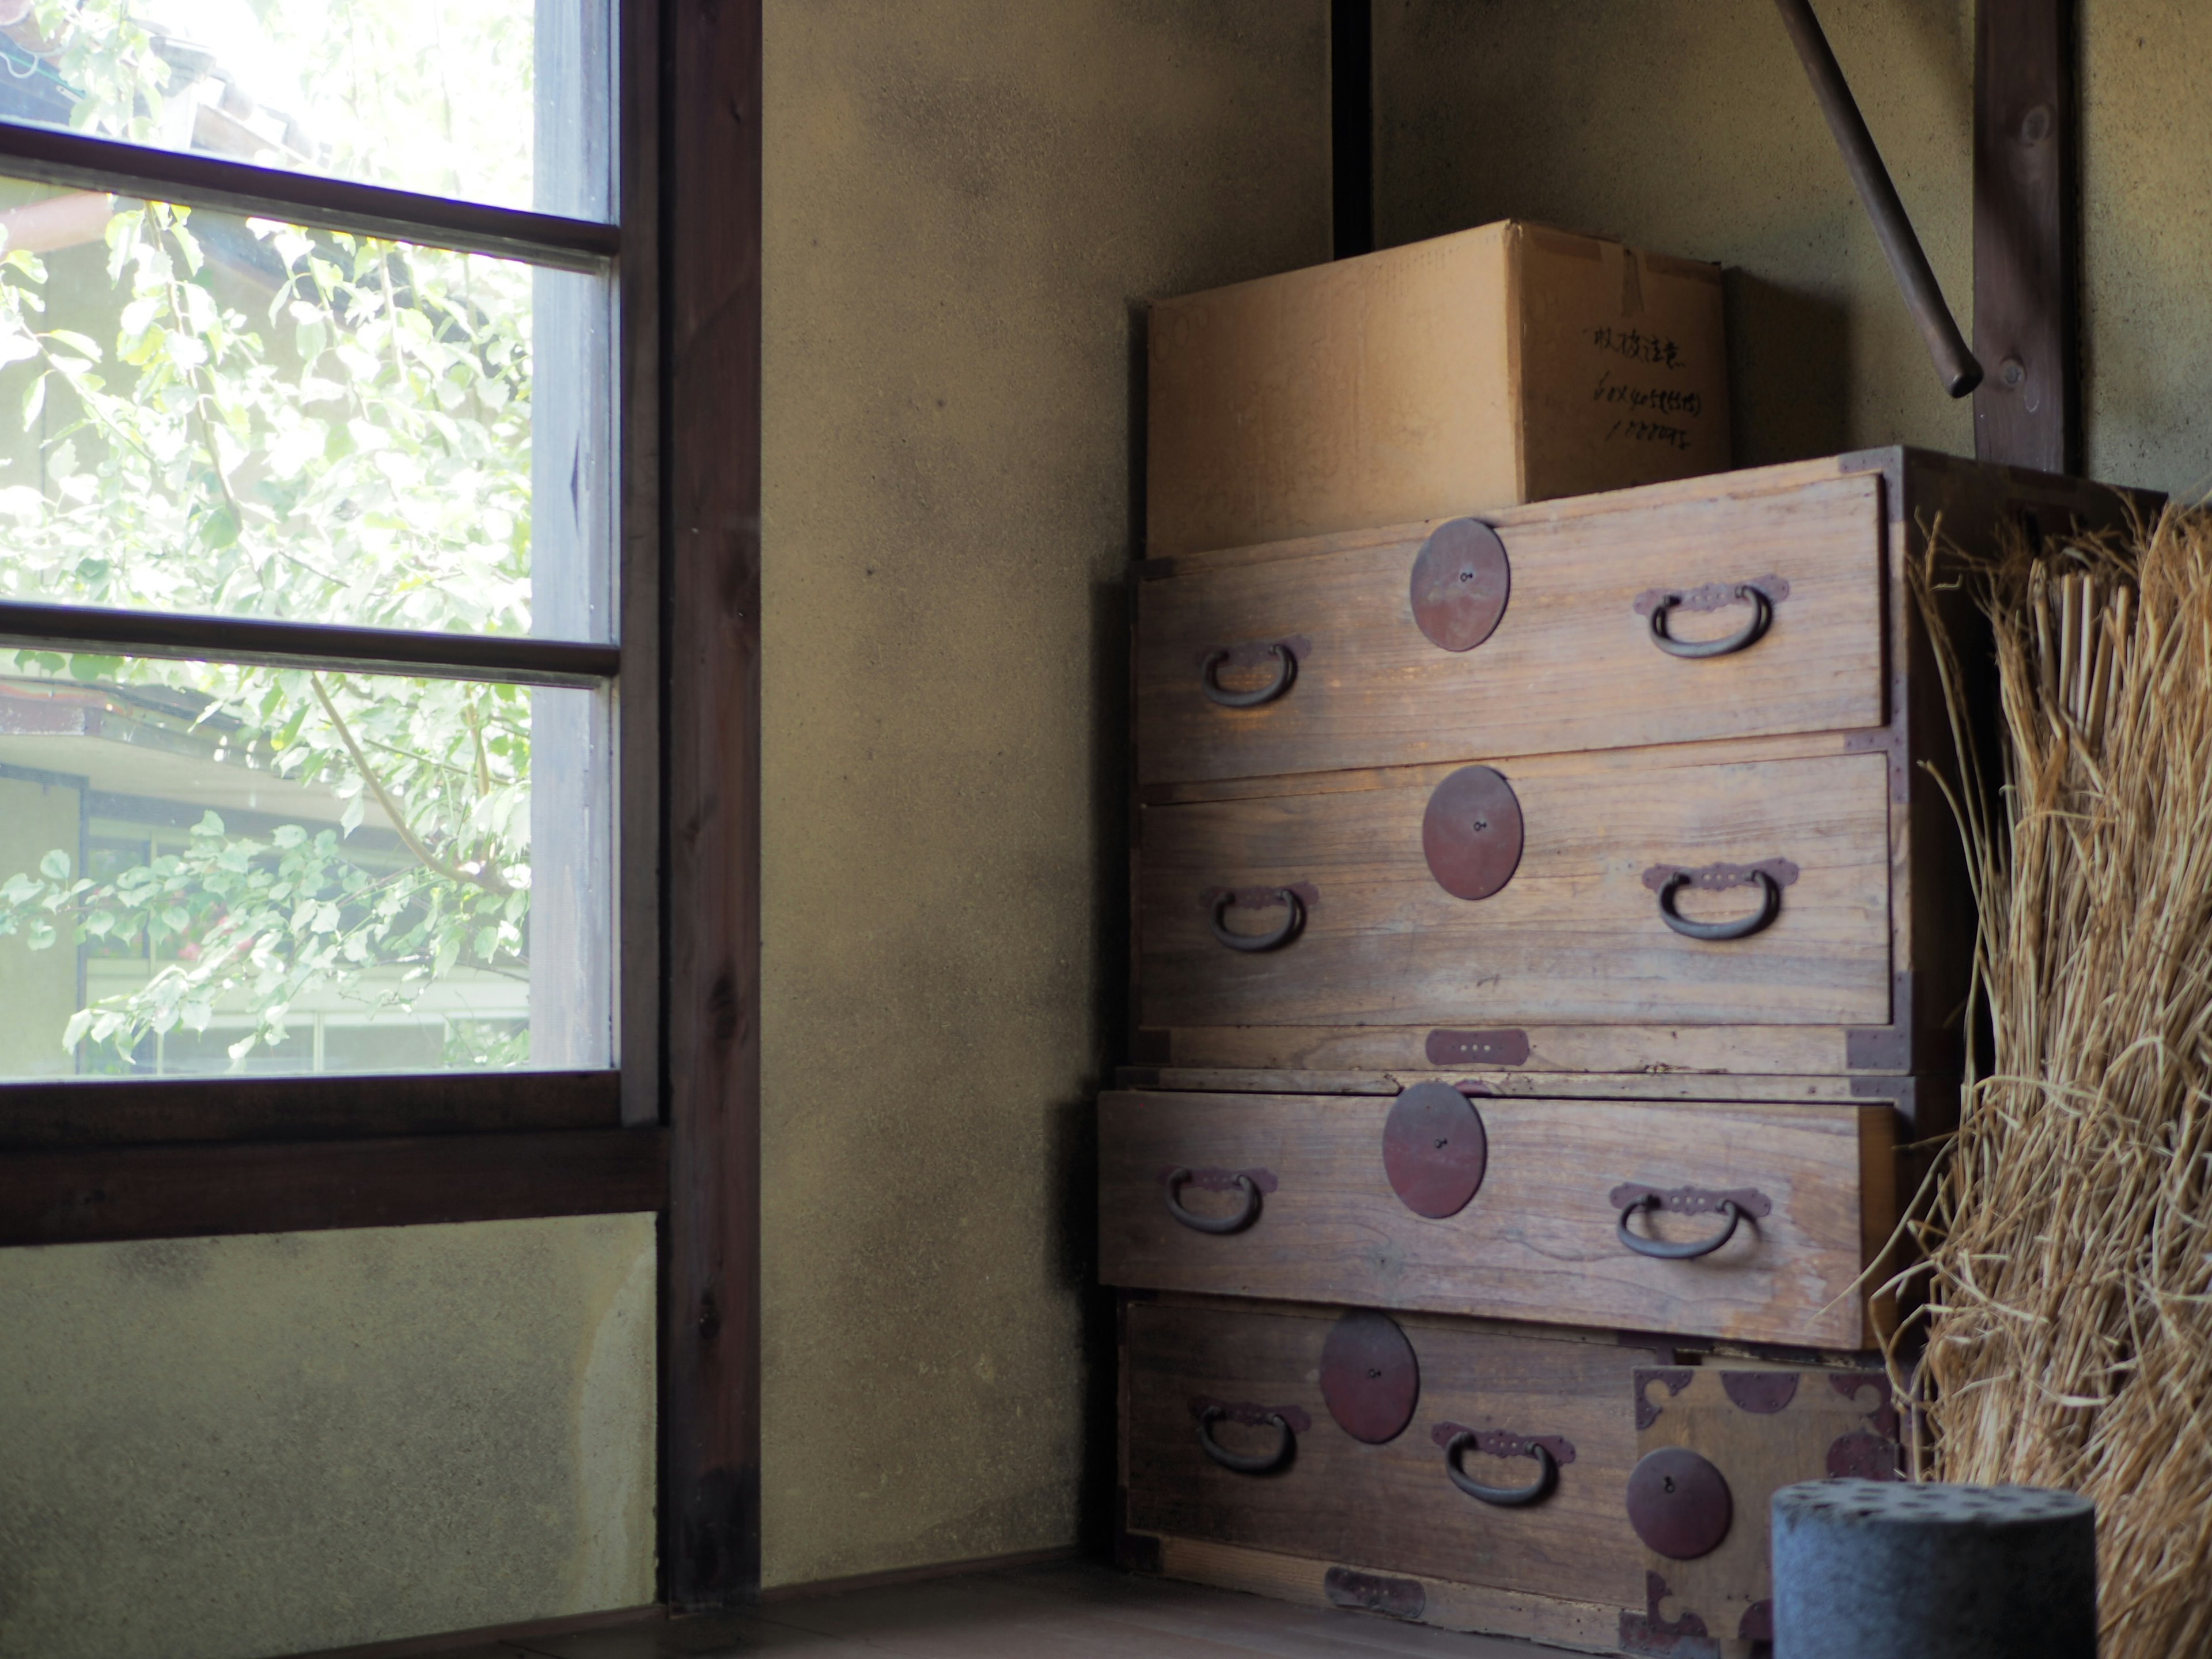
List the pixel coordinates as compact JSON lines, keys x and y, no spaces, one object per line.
{"x":1891,"y":1570}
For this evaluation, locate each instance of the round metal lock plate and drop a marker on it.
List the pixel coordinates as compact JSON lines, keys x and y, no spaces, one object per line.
{"x":1434,"y":1150}
{"x":1370,"y":1377}
{"x":1461,"y":579}
{"x":1471,"y":833}
{"x":1679,"y":1504}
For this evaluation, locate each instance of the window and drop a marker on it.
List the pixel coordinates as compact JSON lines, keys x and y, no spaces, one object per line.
{"x":379,"y":503}
{"x":311,"y":617}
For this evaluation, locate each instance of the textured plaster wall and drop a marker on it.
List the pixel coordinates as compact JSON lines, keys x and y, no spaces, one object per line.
{"x":966,"y":201}
{"x":1688,"y":126}
{"x":214,"y":1448}
{"x":2147,"y":241}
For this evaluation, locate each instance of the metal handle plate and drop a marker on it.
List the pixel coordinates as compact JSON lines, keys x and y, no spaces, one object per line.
{"x":1286,"y":670}
{"x":1243,"y":1463}
{"x":1505,"y":1498}
{"x":1762,"y":613}
{"x":1237,"y":1220}
{"x":1660,"y":1248}
{"x":1294,"y":919}
{"x":1770,"y":906}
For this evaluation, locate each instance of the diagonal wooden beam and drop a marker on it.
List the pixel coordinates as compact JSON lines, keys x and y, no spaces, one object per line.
{"x":2027,"y":410}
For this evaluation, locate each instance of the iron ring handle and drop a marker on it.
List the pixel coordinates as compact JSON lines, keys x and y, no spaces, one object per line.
{"x":1664,"y":1251}
{"x":1770,"y":906}
{"x":1505,"y":1498}
{"x":1762,"y":613}
{"x":1286,"y":670}
{"x":1235,"y":1222}
{"x":1260,"y":1463}
{"x":1294,"y":920}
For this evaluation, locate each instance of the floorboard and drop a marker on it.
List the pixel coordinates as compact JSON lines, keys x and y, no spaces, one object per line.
{"x":1066,"y":1610}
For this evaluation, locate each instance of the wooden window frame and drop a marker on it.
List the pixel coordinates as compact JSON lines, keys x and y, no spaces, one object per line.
{"x":674,"y":1126}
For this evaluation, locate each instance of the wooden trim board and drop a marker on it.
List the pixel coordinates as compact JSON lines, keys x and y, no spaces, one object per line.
{"x":711,"y":351}
{"x":81,"y":1196}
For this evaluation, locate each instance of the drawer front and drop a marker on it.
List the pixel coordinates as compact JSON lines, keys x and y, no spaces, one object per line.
{"x":1308,"y":1192}
{"x":1391,"y":1505}
{"x":1570,"y":663}
{"x":1577,"y":933}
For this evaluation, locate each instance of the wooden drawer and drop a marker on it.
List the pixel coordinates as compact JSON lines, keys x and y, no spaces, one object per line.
{"x":1539,"y":1237}
{"x":1575,"y":933}
{"x":1650,"y":1534}
{"x":1388,"y":1506}
{"x":1571,"y":662}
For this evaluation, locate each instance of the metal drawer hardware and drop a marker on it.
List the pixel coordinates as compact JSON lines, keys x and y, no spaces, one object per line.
{"x":1370,"y":1376}
{"x":1294,"y":918}
{"x":1247,"y":1210}
{"x":1762,"y":613}
{"x":1244,"y":1463}
{"x":1286,"y":670}
{"x":1679,"y":1504}
{"x":1471,"y":832}
{"x":1435,"y":1149}
{"x":1684,"y":1252}
{"x":1632,"y":1200}
{"x":1770,"y":907}
{"x":1505,"y":1498}
{"x":1461,"y":579}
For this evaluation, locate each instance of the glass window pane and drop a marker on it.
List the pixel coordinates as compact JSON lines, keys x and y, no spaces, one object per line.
{"x":502,"y":101}
{"x":212,"y":868}
{"x":205,"y":413}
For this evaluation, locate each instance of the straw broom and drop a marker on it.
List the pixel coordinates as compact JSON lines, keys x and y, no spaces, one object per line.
{"x":2068,"y":1236}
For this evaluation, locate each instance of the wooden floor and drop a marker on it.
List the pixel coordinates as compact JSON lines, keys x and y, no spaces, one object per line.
{"x":1076,"y":1609}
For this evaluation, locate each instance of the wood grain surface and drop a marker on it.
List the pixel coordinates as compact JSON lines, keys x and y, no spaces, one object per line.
{"x":1622,"y":1050}
{"x":1390,"y":1505}
{"x":1575,"y":936}
{"x":1448,"y":1605}
{"x":1571,"y":665}
{"x":1538,"y":1241}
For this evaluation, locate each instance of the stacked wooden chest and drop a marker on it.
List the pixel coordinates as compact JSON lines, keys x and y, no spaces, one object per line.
{"x":1550,"y":944}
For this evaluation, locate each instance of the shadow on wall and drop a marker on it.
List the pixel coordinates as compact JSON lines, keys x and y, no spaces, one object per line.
{"x":1788,"y":371}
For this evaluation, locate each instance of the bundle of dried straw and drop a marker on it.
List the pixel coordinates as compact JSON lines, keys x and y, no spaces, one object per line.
{"x":2069,"y":1238}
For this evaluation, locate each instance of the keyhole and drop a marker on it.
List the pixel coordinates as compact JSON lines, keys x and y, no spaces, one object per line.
{"x":1467,"y":575}
{"x":1481,"y":824}
{"x":1441,"y":1144}
{"x":1669,"y":1481}
{"x":1373,"y":1375}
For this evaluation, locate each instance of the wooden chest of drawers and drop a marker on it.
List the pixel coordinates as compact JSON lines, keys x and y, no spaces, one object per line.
{"x":1753,"y":1222}
{"x":1546,"y":927}
{"x":1632,"y":781}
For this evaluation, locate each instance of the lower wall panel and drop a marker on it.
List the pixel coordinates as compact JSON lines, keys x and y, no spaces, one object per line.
{"x":220,"y":1448}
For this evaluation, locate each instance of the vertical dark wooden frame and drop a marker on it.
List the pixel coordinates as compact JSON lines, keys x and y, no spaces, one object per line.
{"x":710,"y":404}
{"x":2026,"y":239}
{"x":640,"y":852}
{"x":1351,"y":126}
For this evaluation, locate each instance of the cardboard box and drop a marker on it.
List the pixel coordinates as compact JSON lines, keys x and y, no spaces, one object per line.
{"x":1507,"y":364}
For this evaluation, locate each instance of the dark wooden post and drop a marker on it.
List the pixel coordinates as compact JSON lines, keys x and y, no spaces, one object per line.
{"x":2026,"y":411}
{"x":711,"y":367}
